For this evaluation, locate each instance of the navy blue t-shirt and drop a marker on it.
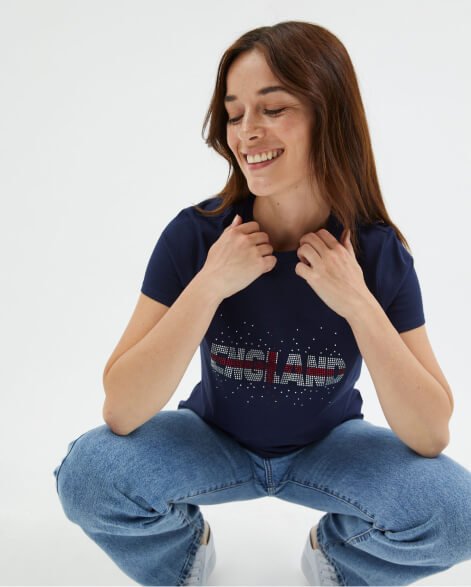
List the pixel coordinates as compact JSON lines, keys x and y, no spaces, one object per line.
{"x":278,"y":365}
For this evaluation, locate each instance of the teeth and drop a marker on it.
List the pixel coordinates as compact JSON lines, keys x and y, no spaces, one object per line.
{"x":259,"y":157}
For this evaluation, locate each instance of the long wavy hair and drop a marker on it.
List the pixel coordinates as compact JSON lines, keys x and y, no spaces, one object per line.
{"x":315,"y":66}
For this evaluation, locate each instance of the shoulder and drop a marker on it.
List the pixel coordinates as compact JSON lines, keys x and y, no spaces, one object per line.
{"x":188,"y":220}
{"x":191,"y":226}
{"x":376,"y":232}
{"x":384,"y":259}
{"x":190,"y":233}
{"x":379,"y":242}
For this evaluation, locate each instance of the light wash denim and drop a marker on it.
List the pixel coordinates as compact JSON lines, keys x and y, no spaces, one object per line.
{"x":393,"y":516}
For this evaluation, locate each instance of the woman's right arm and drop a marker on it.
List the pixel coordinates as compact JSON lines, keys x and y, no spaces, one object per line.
{"x":143,"y":379}
{"x":146,"y":373}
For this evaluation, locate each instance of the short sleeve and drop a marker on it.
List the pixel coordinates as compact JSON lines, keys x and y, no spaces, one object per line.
{"x":161,"y":280}
{"x":398,"y":286}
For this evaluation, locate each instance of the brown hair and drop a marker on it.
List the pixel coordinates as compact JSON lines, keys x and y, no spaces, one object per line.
{"x":315,"y":66}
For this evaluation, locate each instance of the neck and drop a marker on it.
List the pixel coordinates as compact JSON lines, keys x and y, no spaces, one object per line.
{"x":286,"y":220}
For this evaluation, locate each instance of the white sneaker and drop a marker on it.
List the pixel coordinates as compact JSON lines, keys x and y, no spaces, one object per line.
{"x":315,"y":566}
{"x":204,"y":563}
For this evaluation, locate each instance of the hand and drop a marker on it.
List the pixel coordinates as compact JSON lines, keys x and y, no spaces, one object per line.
{"x":239,"y":256}
{"x":330,"y":267}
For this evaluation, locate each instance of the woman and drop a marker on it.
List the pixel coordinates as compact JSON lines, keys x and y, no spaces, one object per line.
{"x":287,"y":279}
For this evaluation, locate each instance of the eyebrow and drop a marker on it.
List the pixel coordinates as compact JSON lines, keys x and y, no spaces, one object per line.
{"x":261,"y":92}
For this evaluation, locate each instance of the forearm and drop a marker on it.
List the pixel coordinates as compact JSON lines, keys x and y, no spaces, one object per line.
{"x":414,"y":403}
{"x":141,"y":382}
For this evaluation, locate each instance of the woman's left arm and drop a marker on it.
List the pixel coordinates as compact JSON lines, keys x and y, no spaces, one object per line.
{"x":413,"y":392}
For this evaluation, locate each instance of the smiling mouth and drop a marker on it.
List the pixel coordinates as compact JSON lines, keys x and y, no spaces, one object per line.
{"x":262,"y":163}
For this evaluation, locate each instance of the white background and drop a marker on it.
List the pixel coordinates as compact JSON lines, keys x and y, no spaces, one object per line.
{"x":101,"y":112}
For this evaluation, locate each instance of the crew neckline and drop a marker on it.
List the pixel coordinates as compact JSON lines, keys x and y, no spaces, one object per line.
{"x":332,"y":225}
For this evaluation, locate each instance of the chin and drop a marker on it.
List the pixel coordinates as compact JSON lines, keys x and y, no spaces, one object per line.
{"x":261,"y":193}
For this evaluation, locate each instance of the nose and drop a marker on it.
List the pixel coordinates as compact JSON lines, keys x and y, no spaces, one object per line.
{"x":249,"y":128}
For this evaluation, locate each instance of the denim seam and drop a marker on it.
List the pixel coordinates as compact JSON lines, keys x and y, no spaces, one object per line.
{"x":325,"y":546}
{"x":268,"y":474}
{"x":205,"y":492}
{"x":188,"y":564}
{"x":254,"y":473}
{"x":324,"y":549}
{"x":280,"y":486}
{"x":356,"y":538}
{"x":337,"y":496}
{"x":181,"y":513}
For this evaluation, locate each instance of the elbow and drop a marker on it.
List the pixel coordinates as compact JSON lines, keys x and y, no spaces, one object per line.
{"x":445,"y":441}
{"x":116,"y":430}
{"x":440,"y":440}
{"x":109,"y":413}
{"x":429,"y":454}
{"x":436,"y":449}
{"x":110,"y":421}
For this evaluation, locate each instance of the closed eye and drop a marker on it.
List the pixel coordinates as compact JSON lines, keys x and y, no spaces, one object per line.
{"x":269,"y":112}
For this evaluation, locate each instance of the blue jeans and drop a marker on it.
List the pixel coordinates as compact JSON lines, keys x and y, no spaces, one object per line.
{"x":393,"y":516}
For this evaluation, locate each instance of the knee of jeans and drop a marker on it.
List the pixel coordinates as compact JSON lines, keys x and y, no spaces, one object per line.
{"x":82,"y":481}
{"x":456,"y":515}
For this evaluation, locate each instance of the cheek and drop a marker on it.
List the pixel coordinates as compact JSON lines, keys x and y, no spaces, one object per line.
{"x":299,"y":155}
{"x":232,"y":143}
{"x":294,"y":137}
{"x":232,"y":147}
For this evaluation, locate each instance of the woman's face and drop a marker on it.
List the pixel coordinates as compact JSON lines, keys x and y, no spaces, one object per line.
{"x":256,"y":129}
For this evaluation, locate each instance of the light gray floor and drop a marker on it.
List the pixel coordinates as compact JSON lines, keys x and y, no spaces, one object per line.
{"x":257,"y":543}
